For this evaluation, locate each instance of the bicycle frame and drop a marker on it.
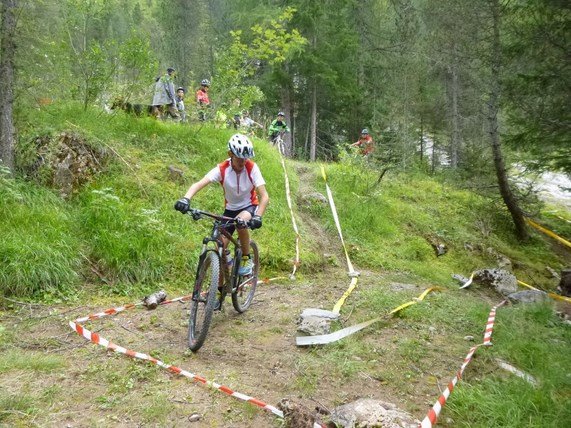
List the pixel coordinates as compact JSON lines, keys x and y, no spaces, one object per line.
{"x":219,"y":231}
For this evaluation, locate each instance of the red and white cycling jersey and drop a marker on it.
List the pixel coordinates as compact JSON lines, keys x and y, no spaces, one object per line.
{"x":239,"y":188}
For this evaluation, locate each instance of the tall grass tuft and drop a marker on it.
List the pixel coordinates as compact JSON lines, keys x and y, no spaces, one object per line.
{"x":39,"y":249}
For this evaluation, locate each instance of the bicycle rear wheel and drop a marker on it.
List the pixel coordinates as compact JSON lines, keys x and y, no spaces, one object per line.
{"x":203,"y":299}
{"x":244,"y":289}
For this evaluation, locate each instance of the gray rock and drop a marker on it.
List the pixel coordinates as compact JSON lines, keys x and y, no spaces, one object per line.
{"x":315,"y":197}
{"x":502,"y":260}
{"x":195,"y":417}
{"x":314,"y":326}
{"x":528,"y":296}
{"x":503,"y":281}
{"x":462,"y":279}
{"x":369,"y":413}
{"x":322,"y":313}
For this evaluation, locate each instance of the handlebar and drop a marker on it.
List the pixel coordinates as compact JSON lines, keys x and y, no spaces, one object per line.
{"x":198,"y":214}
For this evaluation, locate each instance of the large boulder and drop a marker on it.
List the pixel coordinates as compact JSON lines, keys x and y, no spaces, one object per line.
{"x":528,"y":296}
{"x":369,"y":413}
{"x":66,"y":162}
{"x":501,"y":280}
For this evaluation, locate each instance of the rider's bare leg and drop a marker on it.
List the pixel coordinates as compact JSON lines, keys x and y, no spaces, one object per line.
{"x":244,"y":234}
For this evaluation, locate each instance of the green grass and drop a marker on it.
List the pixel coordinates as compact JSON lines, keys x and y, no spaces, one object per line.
{"x":121,"y":228}
{"x":16,"y":360}
{"x":120,"y":232}
{"x":391,"y":226}
{"x":39,"y":249}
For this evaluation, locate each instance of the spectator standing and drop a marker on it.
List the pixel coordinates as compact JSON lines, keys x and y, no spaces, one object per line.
{"x":202,"y":99}
{"x":165,"y":95}
{"x":247,"y":123}
{"x":180,"y":92}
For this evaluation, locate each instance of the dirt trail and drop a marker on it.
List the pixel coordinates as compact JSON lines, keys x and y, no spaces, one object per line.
{"x":253,"y":353}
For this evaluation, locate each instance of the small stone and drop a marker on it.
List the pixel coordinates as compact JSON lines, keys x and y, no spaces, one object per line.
{"x":195,"y":417}
{"x":432,"y":330}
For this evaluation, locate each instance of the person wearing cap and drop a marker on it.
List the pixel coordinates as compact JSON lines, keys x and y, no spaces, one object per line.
{"x":277,"y":127}
{"x":165,"y":95}
{"x":180,"y":92}
{"x":247,"y":122}
{"x":365,"y":143}
{"x":245,"y":194}
{"x":202,"y":98}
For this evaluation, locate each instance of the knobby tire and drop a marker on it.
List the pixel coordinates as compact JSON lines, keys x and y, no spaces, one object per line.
{"x":245,"y":287}
{"x":203,"y":299}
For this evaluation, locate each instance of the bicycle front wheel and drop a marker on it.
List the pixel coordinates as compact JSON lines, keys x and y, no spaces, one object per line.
{"x":245,"y":287}
{"x":203,"y":299}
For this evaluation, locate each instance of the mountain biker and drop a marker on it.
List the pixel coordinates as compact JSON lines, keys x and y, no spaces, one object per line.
{"x":202,"y":98}
{"x":245,"y":194}
{"x":365,"y":143}
{"x":277,"y":127}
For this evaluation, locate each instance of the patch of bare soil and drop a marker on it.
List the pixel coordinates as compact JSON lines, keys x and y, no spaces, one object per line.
{"x":253,"y":353}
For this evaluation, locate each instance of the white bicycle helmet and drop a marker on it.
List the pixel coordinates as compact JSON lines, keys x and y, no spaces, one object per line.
{"x":241,"y":146}
{"x":205,"y":82}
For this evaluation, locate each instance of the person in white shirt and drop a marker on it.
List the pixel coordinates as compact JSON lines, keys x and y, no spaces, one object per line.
{"x":245,"y":194}
{"x":246,"y":122}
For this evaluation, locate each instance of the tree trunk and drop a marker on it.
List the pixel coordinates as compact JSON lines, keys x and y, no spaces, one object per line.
{"x":421,"y":140}
{"x":455,"y":141}
{"x":313,"y":150}
{"x":493,"y":107}
{"x":8,"y":46}
{"x":288,"y":109}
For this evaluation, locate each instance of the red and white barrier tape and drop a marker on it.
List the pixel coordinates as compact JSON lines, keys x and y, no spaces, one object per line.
{"x":432,"y":416}
{"x":101,"y":341}
{"x":296,"y":262}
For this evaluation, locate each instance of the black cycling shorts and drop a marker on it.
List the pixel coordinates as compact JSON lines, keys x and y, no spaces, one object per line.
{"x":231,"y":227}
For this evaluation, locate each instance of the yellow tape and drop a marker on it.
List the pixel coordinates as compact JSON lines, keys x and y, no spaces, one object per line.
{"x":548,"y":232}
{"x":352,"y":272}
{"x":336,"y":219}
{"x":552,"y":295}
{"x":288,"y":198}
{"x":341,"y":301}
{"x":340,"y":334}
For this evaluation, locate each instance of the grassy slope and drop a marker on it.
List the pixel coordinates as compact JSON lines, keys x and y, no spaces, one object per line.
{"x":124,"y":224}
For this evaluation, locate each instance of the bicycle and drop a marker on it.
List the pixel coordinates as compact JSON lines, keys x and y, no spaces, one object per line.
{"x":278,"y":139}
{"x":216,"y":277}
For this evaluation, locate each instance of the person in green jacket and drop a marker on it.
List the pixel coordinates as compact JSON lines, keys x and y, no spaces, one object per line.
{"x":278,"y":127}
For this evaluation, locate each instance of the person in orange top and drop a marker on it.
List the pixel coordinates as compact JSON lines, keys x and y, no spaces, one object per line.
{"x":202,"y":98}
{"x":365,"y":144}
